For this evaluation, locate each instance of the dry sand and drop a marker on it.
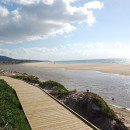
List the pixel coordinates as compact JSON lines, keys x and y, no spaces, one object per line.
{"x":123,"y":69}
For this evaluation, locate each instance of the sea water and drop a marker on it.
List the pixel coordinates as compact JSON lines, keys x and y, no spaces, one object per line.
{"x":97,"y":61}
{"x":108,"y":86}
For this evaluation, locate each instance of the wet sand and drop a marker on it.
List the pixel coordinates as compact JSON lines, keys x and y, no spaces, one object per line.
{"x":122,"y":69}
{"x":123,"y":114}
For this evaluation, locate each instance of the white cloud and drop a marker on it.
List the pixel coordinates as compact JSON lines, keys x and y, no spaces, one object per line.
{"x":118,"y":44}
{"x":38,"y":19}
{"x":100,"y":45}
{"x":94,"y":5}
{"x":16,"y":16}
{"x":60,"y":46}
{"x":89,"y":46}
{"x":69,"y":54}
{"x":3,"y":11}
{"x":28,"y":2}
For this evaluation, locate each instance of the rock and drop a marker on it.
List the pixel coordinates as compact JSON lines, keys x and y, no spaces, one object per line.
{"x":25,"y":74}
{"x":87,"y":90}
{"x":95,"y":107}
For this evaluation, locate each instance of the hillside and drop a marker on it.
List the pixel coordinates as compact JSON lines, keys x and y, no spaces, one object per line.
{"x":8,"y":59}
{"x":5,"y":58}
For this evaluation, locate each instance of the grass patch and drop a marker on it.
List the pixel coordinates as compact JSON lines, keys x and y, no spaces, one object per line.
{"x":11,"y":113}
{"x":51,"y":84}
{"x":30,"y":79}
{"x":107,"y":111}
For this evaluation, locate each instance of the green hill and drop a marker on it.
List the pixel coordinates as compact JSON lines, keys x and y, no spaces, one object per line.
{"x":8,"y":59}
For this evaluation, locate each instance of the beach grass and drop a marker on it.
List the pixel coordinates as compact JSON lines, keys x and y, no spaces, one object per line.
{"x":27,"y":78}
{"x":12,"y":116}
{"x":53,"y":83}
{"x":106,"y":110}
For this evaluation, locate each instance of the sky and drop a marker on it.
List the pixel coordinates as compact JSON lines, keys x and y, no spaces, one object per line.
{"x":65,"y":29}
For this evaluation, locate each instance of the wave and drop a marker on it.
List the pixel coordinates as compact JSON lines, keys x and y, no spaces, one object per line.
{"x":120,"y":107}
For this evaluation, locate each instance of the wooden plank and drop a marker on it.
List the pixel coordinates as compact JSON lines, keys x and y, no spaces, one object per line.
{"x":42,"y":112}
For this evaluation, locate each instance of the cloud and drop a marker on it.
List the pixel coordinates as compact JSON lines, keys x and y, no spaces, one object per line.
{"x":38,"y":19}
{"x":100,"y":45}
{"x":16,"y":16}
{"x":3,"y":11}
{"x":28,"y":2}
{"x":94,"y":5}
{"x":89,"y":46}
{"x":60,"y":46}
{"x":70,"y":53}
{"x":118,"y":44}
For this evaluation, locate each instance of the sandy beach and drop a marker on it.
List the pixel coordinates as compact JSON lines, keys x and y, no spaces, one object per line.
{"x":122,"y":69}
{"x":123,"y":114}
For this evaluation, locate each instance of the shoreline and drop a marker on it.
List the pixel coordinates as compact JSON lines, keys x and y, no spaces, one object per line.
{"x":122,"y":69}
{"x":120,"y":107}
{"x":122,"y":113}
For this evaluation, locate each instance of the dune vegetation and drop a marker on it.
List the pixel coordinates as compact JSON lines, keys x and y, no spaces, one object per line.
{"x":27,"y":78}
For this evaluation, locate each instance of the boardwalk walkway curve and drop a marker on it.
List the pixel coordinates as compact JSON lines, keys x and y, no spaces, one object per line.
{"x":42,"y":112}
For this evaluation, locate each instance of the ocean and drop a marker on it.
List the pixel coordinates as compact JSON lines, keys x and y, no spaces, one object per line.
{"x":96,"y":61}
{"x":107,"y":85}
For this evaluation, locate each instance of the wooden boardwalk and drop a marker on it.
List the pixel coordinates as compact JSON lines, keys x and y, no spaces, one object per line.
{"x":42,"y":112}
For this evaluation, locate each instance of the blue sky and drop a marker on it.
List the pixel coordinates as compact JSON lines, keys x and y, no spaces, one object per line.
{"x":65,"y":29}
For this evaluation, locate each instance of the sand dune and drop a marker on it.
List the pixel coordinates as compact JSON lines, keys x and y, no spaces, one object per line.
{"x":123,"y":69}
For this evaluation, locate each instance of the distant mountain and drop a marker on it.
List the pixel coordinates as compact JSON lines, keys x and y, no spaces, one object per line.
{"x":8,"y":59}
